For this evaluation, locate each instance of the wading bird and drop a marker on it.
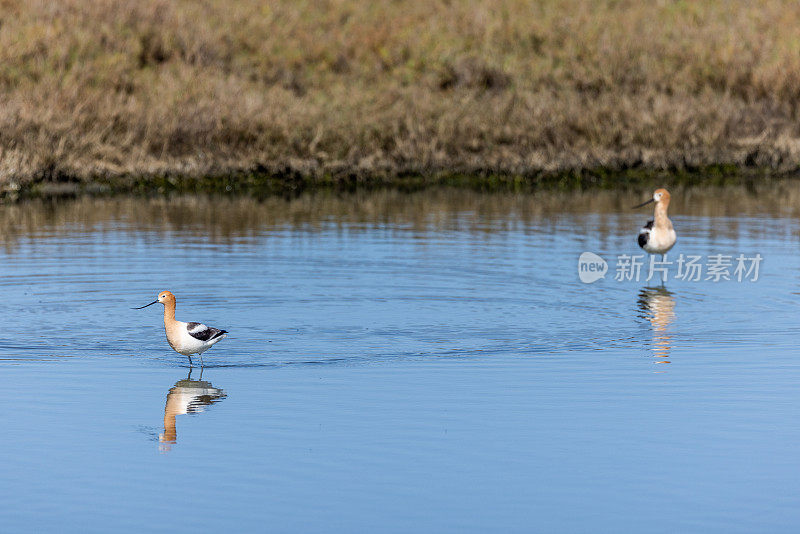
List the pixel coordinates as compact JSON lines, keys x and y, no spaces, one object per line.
{"x":186,"y":338}
{"x":658,"y":236}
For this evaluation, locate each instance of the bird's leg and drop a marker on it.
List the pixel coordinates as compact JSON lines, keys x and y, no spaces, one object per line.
{"x":190,"y":360}
{"x":201,"y":360}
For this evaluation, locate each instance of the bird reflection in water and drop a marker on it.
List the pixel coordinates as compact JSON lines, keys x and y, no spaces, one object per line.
{"x":186,"y":396}
{"x":658,"y":305}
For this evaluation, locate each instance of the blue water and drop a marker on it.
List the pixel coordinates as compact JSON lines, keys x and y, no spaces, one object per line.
{"x":419,"y":366}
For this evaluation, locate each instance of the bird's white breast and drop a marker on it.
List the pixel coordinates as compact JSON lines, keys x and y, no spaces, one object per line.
{"x":660,"y":240}
{"x":182,"y":342}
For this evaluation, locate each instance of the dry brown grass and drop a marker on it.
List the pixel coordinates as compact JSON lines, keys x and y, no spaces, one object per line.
{"x":349,"y":88}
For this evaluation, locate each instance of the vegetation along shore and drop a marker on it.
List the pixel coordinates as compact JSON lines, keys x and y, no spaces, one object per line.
{"x":214,"y":95}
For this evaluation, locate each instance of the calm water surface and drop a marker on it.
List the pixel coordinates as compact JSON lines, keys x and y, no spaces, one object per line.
{"x":420,"y":363}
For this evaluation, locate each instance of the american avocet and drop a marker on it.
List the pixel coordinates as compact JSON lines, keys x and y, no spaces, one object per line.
{"x":658,"y":236}
{"x":186,"y":338}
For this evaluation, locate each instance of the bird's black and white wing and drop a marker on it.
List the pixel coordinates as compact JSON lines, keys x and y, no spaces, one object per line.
{"x":644,"y":234}
{"x":203,"y":332}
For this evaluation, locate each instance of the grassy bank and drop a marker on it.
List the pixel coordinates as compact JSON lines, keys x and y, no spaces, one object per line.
{"x":134,"y":94}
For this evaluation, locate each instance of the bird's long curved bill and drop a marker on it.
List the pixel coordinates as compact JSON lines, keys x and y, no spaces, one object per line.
{"x":146,"y":305}
{"x":644,"y":204}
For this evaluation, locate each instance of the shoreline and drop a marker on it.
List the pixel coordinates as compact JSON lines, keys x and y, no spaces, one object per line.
{"x":263,"y":183}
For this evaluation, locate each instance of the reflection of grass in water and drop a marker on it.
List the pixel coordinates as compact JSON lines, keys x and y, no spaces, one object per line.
{"x":354,"y":90}
{"x":218,"y":219}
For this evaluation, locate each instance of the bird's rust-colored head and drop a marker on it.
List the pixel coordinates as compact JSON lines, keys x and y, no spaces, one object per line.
{"x":660,"y":197}
{"x":165,"y":297}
